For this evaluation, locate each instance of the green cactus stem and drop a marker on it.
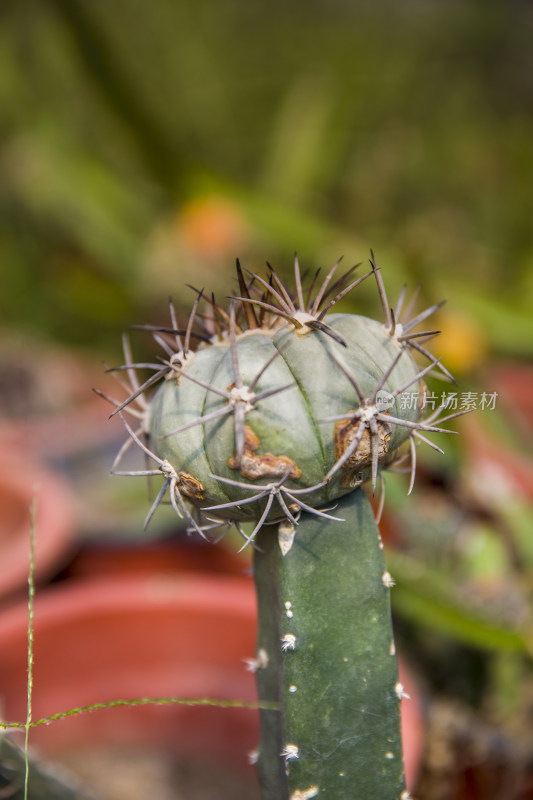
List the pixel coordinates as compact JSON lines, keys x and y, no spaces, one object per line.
{"x":326,"y":653}
{"x":272,"y":423}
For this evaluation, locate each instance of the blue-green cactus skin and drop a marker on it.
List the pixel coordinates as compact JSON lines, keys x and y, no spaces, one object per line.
{"x":287,"y":424}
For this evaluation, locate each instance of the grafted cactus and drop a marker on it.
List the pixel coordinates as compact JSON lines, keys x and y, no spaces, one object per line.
{"x":272,"y":423}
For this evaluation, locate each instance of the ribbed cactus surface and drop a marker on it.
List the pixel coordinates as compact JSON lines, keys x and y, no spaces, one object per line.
{"x":272,"y":423}
{"x":286,"y":387}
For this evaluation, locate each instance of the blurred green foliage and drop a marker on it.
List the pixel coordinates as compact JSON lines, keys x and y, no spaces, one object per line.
{"x":330,"y":127}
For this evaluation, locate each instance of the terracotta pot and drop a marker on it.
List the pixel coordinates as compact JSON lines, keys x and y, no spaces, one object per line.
{"x":514,"y":384}
{"x":99,"y":640}
{"x":47,"y":404}
{"x":20,"y":482}
{"x":499,"y":463}
{"x":183,"y":635}
{"x":177,"y":554}
{"x":495,"y":471}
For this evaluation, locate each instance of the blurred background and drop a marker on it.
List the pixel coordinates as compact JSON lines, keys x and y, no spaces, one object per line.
{"x":144,"y":147}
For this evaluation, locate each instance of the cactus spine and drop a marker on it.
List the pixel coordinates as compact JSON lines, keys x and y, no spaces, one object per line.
{"x":272,"y":424}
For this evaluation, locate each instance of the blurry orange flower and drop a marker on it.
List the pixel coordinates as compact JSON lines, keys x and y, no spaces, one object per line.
{"x":463,"y":346}
{"x":212,"y":226}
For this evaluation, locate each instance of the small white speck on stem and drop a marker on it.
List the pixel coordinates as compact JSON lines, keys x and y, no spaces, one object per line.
{"x":400,"y":691}
{"x":288,"y":642}
{"x":259,"y":662}
{"x":304,"y":794}
{"x":290,"y":752}
{"x":388,"y":580}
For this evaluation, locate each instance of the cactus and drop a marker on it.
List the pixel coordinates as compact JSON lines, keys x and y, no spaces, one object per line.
{"x":271,"y":423}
